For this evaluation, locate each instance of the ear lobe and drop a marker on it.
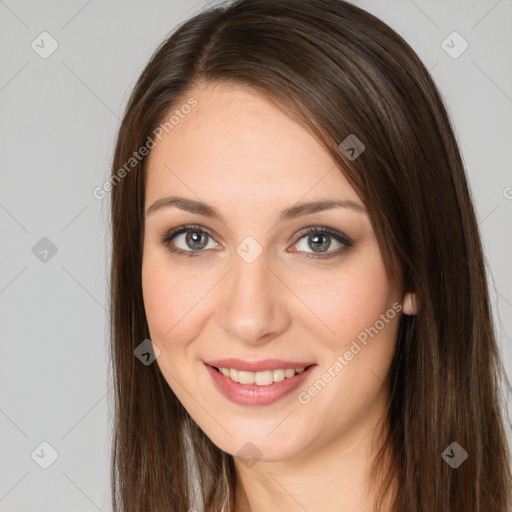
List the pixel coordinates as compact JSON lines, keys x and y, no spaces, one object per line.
{"x":410,"y":306}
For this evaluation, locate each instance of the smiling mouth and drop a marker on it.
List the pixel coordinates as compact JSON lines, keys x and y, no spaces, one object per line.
{"x":261,"y":378}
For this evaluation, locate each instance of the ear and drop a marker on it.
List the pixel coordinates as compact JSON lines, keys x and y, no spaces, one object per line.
{"x":410,"y":306}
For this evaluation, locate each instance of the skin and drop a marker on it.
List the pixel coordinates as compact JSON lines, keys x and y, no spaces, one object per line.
{"x":237,"y":151}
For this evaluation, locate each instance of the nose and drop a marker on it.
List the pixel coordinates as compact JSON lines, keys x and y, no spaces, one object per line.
{"x":252,"y":305}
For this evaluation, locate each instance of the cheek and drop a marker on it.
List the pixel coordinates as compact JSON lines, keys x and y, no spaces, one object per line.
{"x":169,"y":299}
{"x":157,"y":295}
{"x":361,"y":308}
{"x":352,"y":299}
{"x":173,"y":300}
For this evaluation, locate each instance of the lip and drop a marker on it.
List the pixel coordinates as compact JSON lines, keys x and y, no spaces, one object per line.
{"x":257,"y":366}
{"x":251,"y":394}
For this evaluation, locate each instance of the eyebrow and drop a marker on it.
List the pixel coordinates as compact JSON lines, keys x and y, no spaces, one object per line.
{"x":298,"y":210}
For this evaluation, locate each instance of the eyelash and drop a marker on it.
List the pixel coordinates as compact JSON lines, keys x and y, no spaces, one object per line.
{"x":340,"y":237}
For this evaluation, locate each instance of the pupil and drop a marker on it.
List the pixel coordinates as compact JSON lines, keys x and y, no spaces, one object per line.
{"x":194,"y":237}
{"x":322,"y":246}
{"x":320,"y":241}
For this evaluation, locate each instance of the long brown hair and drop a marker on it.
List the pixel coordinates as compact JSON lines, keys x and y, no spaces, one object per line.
{"x":337,"y":70}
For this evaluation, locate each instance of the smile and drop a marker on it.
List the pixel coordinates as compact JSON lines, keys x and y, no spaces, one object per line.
{"x":264,"y":378}
{"x":257,"y":387}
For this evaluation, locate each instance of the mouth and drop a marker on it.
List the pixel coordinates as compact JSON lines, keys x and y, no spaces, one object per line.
{"x":261,"y":378}
{"x":258,"y":388}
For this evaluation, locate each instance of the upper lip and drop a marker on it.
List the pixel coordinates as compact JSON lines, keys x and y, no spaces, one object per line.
{"x":256,"y":366}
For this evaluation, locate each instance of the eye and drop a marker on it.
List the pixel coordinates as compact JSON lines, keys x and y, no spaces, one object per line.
{"x":196,"y":238}
{"x":319,"y":238}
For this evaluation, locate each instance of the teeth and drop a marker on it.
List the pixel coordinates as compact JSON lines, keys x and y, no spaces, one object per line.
{"x":260,"y":378}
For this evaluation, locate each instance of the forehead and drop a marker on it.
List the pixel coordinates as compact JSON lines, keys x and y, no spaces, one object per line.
{"x":238,"y":145}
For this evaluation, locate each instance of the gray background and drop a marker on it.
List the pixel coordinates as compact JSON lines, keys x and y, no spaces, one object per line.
{"x":58,"y":124}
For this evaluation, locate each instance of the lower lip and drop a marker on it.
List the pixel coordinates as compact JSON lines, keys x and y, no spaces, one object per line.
{"x":251,"y":394}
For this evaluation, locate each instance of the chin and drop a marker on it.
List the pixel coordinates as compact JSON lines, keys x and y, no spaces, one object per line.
{"x":259,"y":446}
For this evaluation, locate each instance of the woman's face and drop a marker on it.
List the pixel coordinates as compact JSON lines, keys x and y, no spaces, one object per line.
{"x":254,"y":286}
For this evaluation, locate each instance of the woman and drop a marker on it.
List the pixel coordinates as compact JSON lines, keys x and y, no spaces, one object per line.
{"x":294,"y":242}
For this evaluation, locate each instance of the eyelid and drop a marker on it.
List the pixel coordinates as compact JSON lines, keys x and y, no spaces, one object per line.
{"x":339,"y":236}
{"x":188,"y":227}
